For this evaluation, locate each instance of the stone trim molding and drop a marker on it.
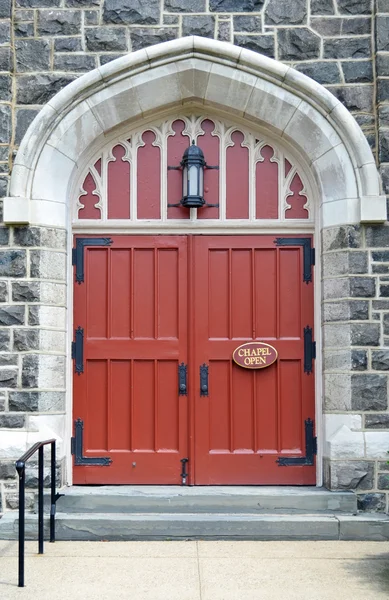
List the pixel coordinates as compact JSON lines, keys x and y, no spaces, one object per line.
{"x":204,"y":72}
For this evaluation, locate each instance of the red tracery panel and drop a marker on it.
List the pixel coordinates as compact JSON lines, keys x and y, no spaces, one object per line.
{"x":237,"y":178}
{"x":176,"y":146}
{"x":210,"y":146}
{"x":88,"y":200}
{"x":266,"y":186}
{"x":296,"y":200}
{"x":118,"y":185}
{"x":149,"y":178}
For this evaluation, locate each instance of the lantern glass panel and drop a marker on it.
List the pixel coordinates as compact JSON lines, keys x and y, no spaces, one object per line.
{"x":184,"y":181}
{"x":193,"y":189}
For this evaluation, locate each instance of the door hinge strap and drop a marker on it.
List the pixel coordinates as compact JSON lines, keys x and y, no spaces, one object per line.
{"x":308,"y":253}
{"x":77,"y":449}
{"x":182,"y":379}
{"x":78,"y":350}
{"x":310,"y":450}
{"x":309,"y":350}
{"x":78,"y":253}
{"x":184,"y":473}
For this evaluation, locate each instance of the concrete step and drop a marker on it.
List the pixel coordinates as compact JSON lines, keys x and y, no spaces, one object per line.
{"x":210,"y":499}
{"x":216,"y":526}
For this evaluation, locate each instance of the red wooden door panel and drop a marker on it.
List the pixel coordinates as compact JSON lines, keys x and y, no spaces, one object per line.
{"x":133,"y":308}
{"x":246,"y":288}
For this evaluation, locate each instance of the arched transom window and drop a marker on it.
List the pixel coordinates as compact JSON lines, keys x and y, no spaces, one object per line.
{"x":256,"y":179}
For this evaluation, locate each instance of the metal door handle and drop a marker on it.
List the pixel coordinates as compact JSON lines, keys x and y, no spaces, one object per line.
{"x":182,"y":374}
{"x":204,"y":380}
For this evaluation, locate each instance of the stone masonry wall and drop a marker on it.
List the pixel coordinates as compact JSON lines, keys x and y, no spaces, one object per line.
{"x":342,"y":44}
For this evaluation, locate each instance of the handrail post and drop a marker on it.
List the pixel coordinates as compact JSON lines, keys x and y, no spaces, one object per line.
{"x":22,"y":479}
{"x":40,"y":501}
{"x":53,"y":498}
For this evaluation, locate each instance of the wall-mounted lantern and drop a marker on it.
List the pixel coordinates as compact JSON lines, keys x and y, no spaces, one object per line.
{"x":192,"y":166}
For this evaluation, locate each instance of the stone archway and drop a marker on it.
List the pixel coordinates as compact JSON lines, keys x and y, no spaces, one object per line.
{"x":189,"y":70}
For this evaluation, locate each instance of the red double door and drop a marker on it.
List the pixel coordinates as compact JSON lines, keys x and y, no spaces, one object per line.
{"x":149,"y":304}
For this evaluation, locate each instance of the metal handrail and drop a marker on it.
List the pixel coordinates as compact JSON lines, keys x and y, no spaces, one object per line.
{"x":21,"y":469}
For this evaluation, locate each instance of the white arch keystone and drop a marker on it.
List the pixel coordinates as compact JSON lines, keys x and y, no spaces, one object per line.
{"x":216,"y":74}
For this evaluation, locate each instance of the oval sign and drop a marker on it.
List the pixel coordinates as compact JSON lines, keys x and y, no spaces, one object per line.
{"x":255,"y":355}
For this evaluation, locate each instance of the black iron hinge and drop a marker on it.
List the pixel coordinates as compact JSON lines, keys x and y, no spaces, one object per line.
{"x":182,"y":379}
{"x":78,"y":253}
{"x":309,"y":350}
{"x":308,"y":253}
{"x":310,"y":450}
{"x":78,"y":350}
{"x":77,"y":448}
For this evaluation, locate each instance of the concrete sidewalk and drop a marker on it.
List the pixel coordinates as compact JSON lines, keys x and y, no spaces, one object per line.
{"x":198,"y":571}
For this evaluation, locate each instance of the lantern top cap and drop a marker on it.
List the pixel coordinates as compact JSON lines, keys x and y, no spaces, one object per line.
{"x":193,"y":152}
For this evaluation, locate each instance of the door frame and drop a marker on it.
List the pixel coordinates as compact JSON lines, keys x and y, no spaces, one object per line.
{"x":195,"y":231}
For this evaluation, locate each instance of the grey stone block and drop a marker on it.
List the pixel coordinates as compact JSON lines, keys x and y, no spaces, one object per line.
{"x":355,"y":98}
{"x":5,"y":9}
{"x":3,"y":400}
{"x":108,"y":39}
{"x":182,"y":6}
{"x":354,"y":7}
{"x":358,"y":360}
{"x":24,"y":118}
{"x":358,"y":262}
{"x":362,"y":287}
{"x":383,"y":114}
{"x":106,"y":58}
{"x":365,"y":334}
{"x":383,"y":482}
{"x":247,"y":23}
{"x":38,"y":3}
{"x":74,"y":62}
{"x":203,"y":25}
{"x":91,"y":17}
{"x":379,"y":269}
{"x":33,"y":315}
{"x":347,"y":48}
{"x":8,"y":360}
{"x":3,"y":291}
{"x":357,"y":71}
{"x":382,"y":90}
{"x":8,"y":379}
{"x":24,"y":30}
{"x":351,"y":475}
{"x":26,"y":339}
{"x":7,"y":470}
{"x":322,"y":72}
{"x":327,"y":27}
{"x":359,"y":310}
{"x":224,"y":31}
{"x":337,"y":393}
{"x":82,"y":3}
{"x":26,"y":291}
{"x":298,"y":43}
{"x":40,"y":88}
{"x":236,"y":5}
{"x":32,"y":55}
{"x":377,"y":421}
{"x":12,"y":315}
{"x":371,"y":502}
{"x":5,"y":59}
{"x":345,"y":236}
{"x":140,"y":38}
{"x":369,"y":392}
{"x":5,"y":87}
{"x":364,"y":528}
{"x":5,"y":32}
{"x":4,"y":236}
{"x":171,"y":19}
{"x":47,"y":264}
{"x":132,"y":12}
{"x":13,"y":263}
{"x":5,"y":124}
{"x":24,"y":14}
{"x":356,"y":26}
{"x":383,"y":148}
{"x":286,"y":12}
{"x":382,"y":33}
{"x":68,"y":44}
{"x":380,"y":256}
{"x":5,"y":340}
{"x":384,"y":172}
{"x":377,"y":236}
{"x":59,"y":22}
{"x":386,"y":324}
{"x":264,"y":44}
{"x":383,"y":6}
{"x":383,"y":466}
{"x":24,"y":401}
{"x":322,"y":7}
{"x":382,"y":67}
{"x":380,"y":360}
{"x":30,"y":367}
{"x":384,"y":291}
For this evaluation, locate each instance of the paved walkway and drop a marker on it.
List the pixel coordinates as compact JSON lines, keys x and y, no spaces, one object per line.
{"x":199,"y":571}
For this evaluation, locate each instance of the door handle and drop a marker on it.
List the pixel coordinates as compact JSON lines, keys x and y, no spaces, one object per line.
{"x":182,"y":375}
{"x":204,"y":380}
